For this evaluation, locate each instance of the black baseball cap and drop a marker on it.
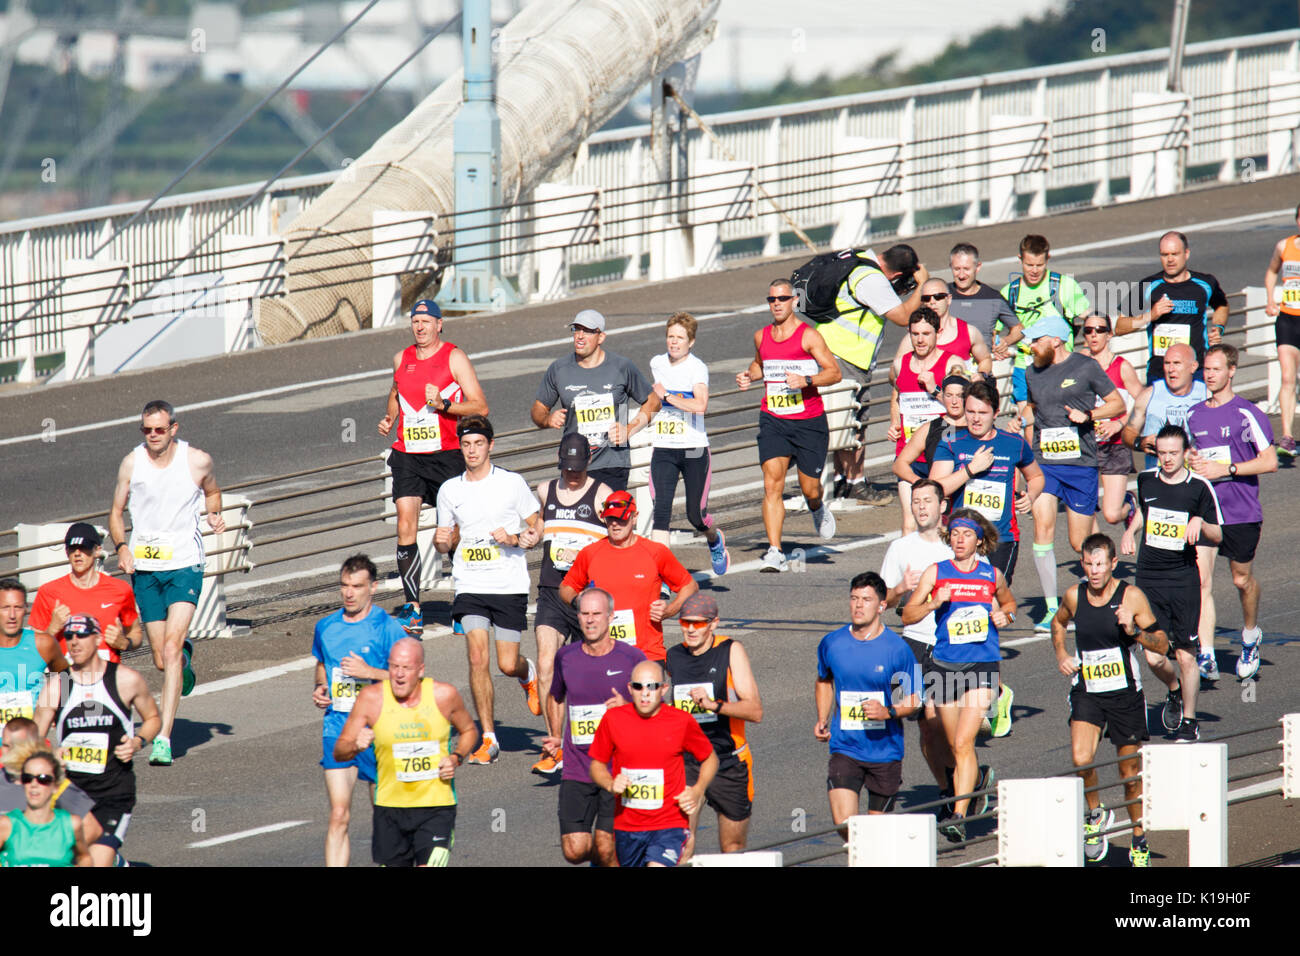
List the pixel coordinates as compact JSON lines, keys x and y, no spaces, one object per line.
{"x":575,"y":452}
{"x":82,"y":536}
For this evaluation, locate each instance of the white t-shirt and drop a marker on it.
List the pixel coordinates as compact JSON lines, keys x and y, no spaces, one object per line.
{"x":911,"y":551}
{"x":672,"y":427}
{"x":501,"y":500}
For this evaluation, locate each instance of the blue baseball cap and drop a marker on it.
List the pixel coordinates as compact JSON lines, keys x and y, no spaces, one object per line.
{"x":1052,"y":325}
{"x":427,"y":306}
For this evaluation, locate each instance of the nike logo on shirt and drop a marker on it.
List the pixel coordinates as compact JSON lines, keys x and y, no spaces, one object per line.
{"x":612,"y":673}
{"x":106,"y":606}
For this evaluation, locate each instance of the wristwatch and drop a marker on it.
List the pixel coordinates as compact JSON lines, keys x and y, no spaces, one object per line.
{"x":1232,"y":470}
{"x":893,"y":712}
{"x":808,"y":381}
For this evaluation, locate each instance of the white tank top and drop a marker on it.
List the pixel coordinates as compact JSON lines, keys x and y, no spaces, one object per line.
{"x":165,"y":506}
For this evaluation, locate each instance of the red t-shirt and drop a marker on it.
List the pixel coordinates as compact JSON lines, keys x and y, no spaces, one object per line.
{"x":109,"y":601}
{"x":633,"y":575}
{"x":649,"y":750}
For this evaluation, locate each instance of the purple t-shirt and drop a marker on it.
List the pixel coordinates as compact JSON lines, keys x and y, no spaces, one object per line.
{"x":585,"y":682}
{"x":1234,"y":432}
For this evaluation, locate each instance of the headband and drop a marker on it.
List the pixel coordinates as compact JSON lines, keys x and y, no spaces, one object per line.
{"x":967,"y":523}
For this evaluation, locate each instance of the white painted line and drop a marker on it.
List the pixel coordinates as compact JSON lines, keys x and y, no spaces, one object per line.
{"x":253,"y":677}
{"x":244,"y":834}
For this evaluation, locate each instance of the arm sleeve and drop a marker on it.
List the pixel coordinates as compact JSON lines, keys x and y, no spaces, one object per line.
{"x":1073,"y":297}
{"x":445,"y":517}
{"x":547,"y":392}
{"x":526,"y":502}
{"x":875,"y":292}
{"x":1217,"y":299}
{"x":1208,"y":505}
{"x":1101,"y":382}
{"x":129,"y":612}
{"x":1004,"y":314}
{"x":1261,"y":429}
{"x":907,"y":673}
{"x":943,"y":452}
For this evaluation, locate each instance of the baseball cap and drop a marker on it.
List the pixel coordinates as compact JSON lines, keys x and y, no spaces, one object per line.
{"x":575,"y":452}
{"x":1052,"y":325}
{"x":699,"y":605}
{"x":619,"y":505}
{"x":82,"y":535}
{"x":81,"y":625}
{"x":429,"y":306}
{"x":589,"y":319}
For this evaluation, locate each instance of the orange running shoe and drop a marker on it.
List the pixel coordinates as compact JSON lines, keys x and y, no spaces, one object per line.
{"x":487,"y":752}
{"x":549,"y":765}
{"x":530,"y":691}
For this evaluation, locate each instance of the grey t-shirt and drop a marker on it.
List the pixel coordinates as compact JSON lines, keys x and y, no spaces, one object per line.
{"x":594,"y":399}
{"x":983,"y":310}
{"x":73,"y":798}
{"x":1075,"y":383}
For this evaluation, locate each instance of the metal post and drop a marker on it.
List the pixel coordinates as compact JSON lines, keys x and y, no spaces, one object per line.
{"x":1040,"y":822}
{"x":892,"y":839}
{"x":1177,"y":41}
{"x":1291,"y":756}
{"x":1185,"y":787}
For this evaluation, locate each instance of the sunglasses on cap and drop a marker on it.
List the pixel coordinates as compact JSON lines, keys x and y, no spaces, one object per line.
{"x":44,"y":779}
{"x":647,"y":685}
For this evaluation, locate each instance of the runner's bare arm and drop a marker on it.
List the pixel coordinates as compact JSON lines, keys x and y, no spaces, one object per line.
{"x":357,"y":734}
{"x":80,"y":851}
{"x":452,"y":706}
{"x":1270,"y":279}
{"x":823,"y":700}
{"x":1131,"y":435}
{"x":1149,"y":636}
{"x":980,"y":352}
{"x":749,"y":706}
{"x":473,"y":400}
{"x":201,"y":470}
{"x":915,"y":609}
{"x":829,"y":372}
{"x":391,"y":407}
{"x":1060,"y":621}
{"x":902,"y":466}
{"x":136,"y":694}
{"x":116,"y":514}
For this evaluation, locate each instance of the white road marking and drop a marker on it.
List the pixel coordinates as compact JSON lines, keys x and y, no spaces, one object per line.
{"x":244,"y":834}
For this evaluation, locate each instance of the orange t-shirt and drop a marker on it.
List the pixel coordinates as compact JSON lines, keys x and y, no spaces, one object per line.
{"x":109,"y":601}
{"x":633,"y":575}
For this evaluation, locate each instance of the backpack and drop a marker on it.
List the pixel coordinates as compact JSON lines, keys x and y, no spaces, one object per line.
{"x":1053,"y":294}
{"x":817,"y":282}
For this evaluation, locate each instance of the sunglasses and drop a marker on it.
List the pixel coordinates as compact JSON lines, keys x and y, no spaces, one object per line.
{"x":617,"y":520}
{"x":44,"y":779}
{"x":159,"y":430}
{"x":694,"y":625}
{"x":779,"y":298}
{"x":935,"y":297}
{"x":648,"y":685}
{"x":584,"y":330}
{"x":1096,"y":329}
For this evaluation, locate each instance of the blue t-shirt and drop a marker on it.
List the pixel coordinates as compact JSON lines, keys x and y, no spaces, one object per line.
{"x":371,"y":638}
{"x":861,"y":671}
{"x":991,"y":492}
{"x":22,"y":673}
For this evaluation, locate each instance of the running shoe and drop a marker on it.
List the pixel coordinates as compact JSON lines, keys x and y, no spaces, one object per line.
{"x":1172,"y":714}
{"x":187,"y":672}
{"x":411,"y":617}
{"x":161,"y":755}
{"x":549,"y":765}
{"x":1045,"y":625}
{"x":456,"y":628}
{"x":1248,"y":662}
{"x":986,"y":780}
{"x":954,"y":828}
{"x":1095,"y":842}
{"x":1140,"y":854}
{"x":825,"y":522}
{"x":1189,"y":731}
{"x":1002,"y":719}
{"x":774,"y":561}
{"x":870,"y":495}
{"x":487,"y":752}
{"x":1286,"y":446}
{"x":719,"y":555}
{"x":1208,"y":665}
{"x":529,"y":684}
{"x":1131,"y":500}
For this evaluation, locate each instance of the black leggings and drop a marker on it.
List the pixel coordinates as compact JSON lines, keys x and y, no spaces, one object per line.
{"x":665,"y":465}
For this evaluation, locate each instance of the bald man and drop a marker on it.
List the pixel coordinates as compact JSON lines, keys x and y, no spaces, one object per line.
{"x":1166,"y":401}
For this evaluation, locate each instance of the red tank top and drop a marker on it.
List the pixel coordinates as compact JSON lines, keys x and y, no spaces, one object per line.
{"x":778,"y":359}
{"x":420,"y":429}
{"x":959,"y":347}
{"x":914,"y":402}
{"x":1112,"y":373}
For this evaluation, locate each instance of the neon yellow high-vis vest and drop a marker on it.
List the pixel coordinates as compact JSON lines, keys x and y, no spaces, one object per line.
{"x":854,"y":333}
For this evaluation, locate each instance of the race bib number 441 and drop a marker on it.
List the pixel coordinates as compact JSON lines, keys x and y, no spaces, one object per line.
{"x":853,"y":709}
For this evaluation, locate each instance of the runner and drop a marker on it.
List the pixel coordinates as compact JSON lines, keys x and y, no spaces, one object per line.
{"x":85,"y":590}
{"x":868,"y":682}
{"x":1285,"y":265}
{"x":488,"y":517}
{"x":710,"y":673}
{"x":1166,"y":401}
{"x":1063,"y":392}
{"x":1182,"y":307}
{"x":167,"y":483}
{"x":41,"y":834}
{"x":409,"y":718}
{"x":681,"y":444}
{"x":916,"y":375}
{"x":1180,"y":506}
{"x":434,"y":385}
{"x":95,"y":733}
{"x":351,"y":648}
{"x":21,"y":732}
{"x":977,"y":468}
{"x":1106,"y":686}
{"x":792,"y":360}
{"x":963,"y":342}
{"x":593,"y":387}
{"x":970,"y":601}
{"x":25,"y":656}
{"x":1233,"y":446}
{"x":980,"y":306}
{"x":637,"y":756}
{"x":633,"y":569}
{"x":588,"y":676}
{"x":925,"y":440}
{"x":1114,"y":460}
{"x":569,"y":524}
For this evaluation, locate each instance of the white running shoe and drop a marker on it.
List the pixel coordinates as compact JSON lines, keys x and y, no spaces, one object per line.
{"x":825,"y":523}
{"x":774,"y":561}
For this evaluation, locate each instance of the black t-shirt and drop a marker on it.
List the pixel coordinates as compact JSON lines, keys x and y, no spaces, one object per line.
{"x":1166,"y":509}
{"x":1194,"y":299}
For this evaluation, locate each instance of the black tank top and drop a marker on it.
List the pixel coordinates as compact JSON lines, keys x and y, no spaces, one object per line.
{"x":712,"y":669}
{"x":576,"y":524}
{"x":1107,"y":655}
{"x":90,"y":725}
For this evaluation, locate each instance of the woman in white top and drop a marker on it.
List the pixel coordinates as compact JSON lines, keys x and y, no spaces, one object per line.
{"x":681,"y":446}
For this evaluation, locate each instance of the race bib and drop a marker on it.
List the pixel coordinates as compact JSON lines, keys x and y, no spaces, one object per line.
{"x":669,"y":429}
{"x":1103,"y":670}
{"x":16,"y":704}
{"x":583,"y":721}
{"x":683,"y":700}
{"x":986,"y":497}
{"x":1164,"y":337}
{"x":623,"y":627}
{"x":421,"y":431}
{"x":152,"y":547}
{"x":1291,"y":290}
{"x":594,"y":414}
{"x":968,"y":625}
{"x":1059,"y":444}
{"x":781,"y":399}
{"x":1166,"y":529}
{"x":1221,"y":454}
{"x":480,"y":552}
{"x":645,"y":789}
{"x":85,"y":753}
{"x":416,"y":760}
{"x":853,"y":709}
{"x":917,"y":409}
{"x":564,"y":548}
{"x":344,"y":690}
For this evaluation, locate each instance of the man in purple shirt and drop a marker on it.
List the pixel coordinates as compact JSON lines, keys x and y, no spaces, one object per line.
{"x":1234,"y":445}
{"x":587,"y":677}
